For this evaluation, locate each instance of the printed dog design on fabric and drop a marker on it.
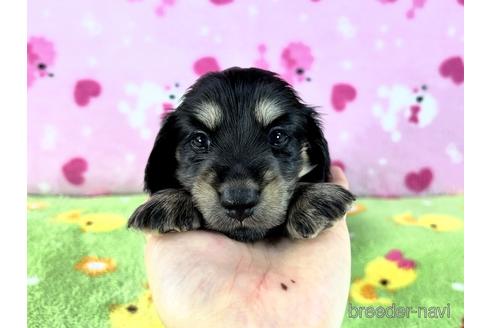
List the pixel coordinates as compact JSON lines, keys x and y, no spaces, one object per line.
{"x":40,"y":57}
{"x":149,"y":98}
{"x":296,"y":60}
{"x":137,"y":314}
{"x":435,"y":222}
{"x":92,"y":222}
{"x":416,"y":107}
{"x":383,"y":274}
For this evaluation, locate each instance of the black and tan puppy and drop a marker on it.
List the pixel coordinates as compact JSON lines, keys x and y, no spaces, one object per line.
{"x":242,"y":155}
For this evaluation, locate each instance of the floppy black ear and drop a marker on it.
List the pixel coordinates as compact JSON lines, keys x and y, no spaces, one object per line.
{"x":317,"y":150}
{"x":161,"y":165}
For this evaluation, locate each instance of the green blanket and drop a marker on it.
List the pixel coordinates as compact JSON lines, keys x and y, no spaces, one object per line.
{"x":85,"y":269}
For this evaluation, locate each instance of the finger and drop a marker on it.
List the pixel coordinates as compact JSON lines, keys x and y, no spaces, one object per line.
{"x":147,"y":235}
{"x":338,"y":177}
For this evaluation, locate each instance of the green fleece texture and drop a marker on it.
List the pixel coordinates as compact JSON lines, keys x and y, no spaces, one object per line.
{"x":64,"y":291}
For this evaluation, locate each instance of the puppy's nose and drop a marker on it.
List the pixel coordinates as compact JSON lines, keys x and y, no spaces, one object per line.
{"x":239,"y":202}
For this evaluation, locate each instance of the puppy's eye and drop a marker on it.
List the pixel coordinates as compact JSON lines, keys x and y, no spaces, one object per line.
{"x":200,"y":141}
{"x":278,"y":138}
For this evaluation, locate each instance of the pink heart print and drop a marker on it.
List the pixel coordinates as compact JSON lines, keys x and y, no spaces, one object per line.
{"x":85,"y":90}
{"x":419,"y":181}
{"x":453,"y":68}
{"x":341,"y":94}
{"x":74,"y":170}
{"x":205,"y":65}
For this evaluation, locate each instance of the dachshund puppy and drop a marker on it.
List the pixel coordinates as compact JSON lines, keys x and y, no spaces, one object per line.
{"x":244,"y":156}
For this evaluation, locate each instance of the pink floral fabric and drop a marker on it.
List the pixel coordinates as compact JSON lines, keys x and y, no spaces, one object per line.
{"x":387,"y":76}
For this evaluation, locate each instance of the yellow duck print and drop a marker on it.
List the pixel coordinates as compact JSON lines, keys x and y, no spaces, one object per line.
{"x":138,"y":314}
{"x":92,"y":222}
{"x":390,"y":274}
{"x":387,"y":274}
{"x":363,"y":292}
{"x":436,"y":222}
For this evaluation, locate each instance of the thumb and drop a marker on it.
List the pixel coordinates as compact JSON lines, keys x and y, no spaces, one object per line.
{"x":338,"y":177}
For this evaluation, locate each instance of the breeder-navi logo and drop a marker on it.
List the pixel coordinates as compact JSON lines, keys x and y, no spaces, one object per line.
{"x":394,"y":311}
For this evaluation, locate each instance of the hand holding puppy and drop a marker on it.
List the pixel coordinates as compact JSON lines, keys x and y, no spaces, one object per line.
{"x":205,"y":279}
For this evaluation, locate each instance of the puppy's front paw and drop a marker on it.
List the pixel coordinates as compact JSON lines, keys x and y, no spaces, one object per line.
{"x":166,"y":210}
{"x":315,"y":207}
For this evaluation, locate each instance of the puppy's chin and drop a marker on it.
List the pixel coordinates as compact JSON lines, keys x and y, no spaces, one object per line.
{"x":246,"y":234}
{"x":250,"y":230}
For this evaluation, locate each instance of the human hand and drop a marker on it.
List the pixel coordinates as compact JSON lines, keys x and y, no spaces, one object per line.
{"x":205,"y":279}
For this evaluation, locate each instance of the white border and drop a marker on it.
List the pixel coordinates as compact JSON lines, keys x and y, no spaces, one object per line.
{"x":478,"y":163}
{"x":13,"y":159}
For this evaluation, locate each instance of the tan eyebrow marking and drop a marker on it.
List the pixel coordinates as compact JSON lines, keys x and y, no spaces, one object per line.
{"x":209,"y":114}
{"x":266,"y":111}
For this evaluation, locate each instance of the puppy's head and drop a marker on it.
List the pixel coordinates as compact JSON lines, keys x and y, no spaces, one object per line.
{"x":238,"y":143}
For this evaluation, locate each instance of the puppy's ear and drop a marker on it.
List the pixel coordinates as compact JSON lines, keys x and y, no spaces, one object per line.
{"x":317,"y":151}
{"x":161,"y":165}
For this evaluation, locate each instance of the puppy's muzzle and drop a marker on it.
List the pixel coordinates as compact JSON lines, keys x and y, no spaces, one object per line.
{"x":239,"y":202}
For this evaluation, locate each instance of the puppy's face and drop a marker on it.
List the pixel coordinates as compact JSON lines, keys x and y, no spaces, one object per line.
{"x":239,"y":143}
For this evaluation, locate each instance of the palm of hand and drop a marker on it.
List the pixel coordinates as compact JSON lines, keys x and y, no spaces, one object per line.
{"x":203,"y":279}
